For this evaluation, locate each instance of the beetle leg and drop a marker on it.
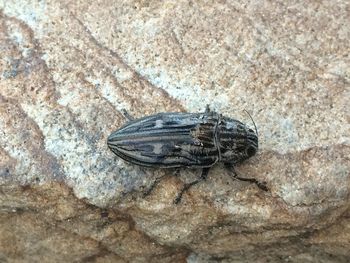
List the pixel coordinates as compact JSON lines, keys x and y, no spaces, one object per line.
{"x":261,"y":185}
{"x":127,"y":115}
{"x":189,"y":185}
{"x":154,"y":184}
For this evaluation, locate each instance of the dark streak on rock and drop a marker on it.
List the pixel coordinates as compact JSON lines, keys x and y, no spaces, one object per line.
{"x":34,"y":144}
{"x":138,"y":77}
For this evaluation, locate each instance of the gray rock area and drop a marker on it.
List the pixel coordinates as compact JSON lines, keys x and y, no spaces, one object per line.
{"x":68,"y":68}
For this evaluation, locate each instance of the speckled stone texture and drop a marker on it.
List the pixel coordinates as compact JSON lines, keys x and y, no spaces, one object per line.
{"x":67,"y":68}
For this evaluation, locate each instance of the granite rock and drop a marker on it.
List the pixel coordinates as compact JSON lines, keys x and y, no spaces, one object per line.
{"x":68,"y":68}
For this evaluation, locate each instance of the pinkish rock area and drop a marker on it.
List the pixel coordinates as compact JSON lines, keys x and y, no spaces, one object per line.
{"x":68,"y":68}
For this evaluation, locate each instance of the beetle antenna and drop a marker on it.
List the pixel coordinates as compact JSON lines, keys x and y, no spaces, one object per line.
{"x":256,"y":130}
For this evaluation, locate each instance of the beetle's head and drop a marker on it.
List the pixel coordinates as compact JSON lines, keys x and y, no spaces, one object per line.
{"x":252,"y":143}
{"x":252,"y":139}
{"x":248,"y":147}
{"x":238,"y":142}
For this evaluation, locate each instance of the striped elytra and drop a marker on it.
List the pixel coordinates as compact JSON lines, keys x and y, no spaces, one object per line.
{"x":184,"y":140}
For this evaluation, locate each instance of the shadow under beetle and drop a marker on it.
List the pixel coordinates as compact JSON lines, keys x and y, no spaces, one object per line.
{"x":197,"y":140}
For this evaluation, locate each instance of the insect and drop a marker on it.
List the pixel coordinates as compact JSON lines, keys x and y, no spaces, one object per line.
{"x":170,"y":140}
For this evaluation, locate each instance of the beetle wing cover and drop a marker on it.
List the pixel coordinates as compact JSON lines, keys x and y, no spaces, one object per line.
{"x":168,"y":140}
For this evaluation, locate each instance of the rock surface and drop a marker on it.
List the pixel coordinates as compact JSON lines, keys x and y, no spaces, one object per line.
{"x":67,"y":68}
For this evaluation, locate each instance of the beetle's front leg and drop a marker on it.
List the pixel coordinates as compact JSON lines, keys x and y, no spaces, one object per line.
{"x":204,"y":175}
{"x":231,"y":168}
{"x":127,"y":115}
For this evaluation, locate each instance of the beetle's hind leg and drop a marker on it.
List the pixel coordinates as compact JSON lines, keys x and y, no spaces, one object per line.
{"x":203,"y":176}
{"x":261,"y":185}
{"x":127,"y":115}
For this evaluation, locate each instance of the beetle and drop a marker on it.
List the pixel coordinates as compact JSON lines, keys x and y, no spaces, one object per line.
{"x":176,"y":139}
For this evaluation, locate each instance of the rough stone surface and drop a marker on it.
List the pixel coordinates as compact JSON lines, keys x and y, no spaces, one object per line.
{"x":67,"y":68}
